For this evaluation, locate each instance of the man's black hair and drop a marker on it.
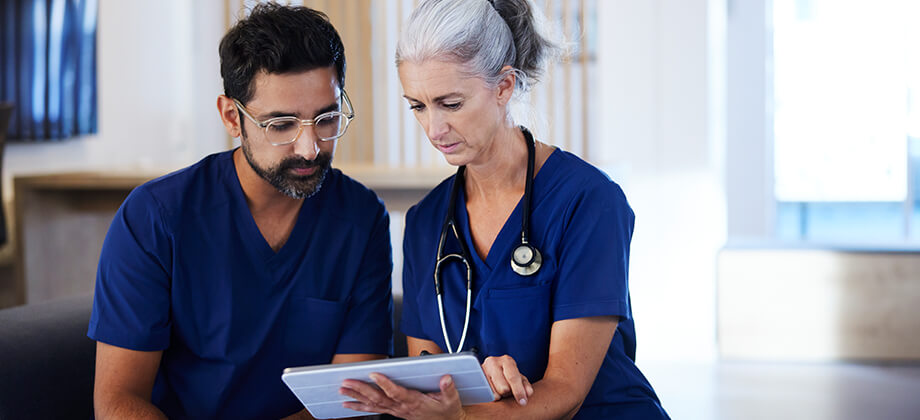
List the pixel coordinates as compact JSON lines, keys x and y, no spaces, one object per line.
{"x":278,"y":39}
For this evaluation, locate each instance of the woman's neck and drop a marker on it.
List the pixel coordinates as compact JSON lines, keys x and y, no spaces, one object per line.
{"x":503,"y":170}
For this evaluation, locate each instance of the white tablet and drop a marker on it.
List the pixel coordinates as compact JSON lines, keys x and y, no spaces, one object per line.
{"x":317,"y":387}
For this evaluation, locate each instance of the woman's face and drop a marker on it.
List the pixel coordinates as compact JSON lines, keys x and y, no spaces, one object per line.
{"x":460,"y":113}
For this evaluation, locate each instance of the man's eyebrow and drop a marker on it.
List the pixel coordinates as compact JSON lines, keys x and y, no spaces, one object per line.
{"x":328,"y":108}
{"x":275,"y":114}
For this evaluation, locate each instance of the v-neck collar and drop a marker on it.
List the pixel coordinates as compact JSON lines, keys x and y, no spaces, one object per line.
{"x":251,"y":233}
{"x":509,"y":235}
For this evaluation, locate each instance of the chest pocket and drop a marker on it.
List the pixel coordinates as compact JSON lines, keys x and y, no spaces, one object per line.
{"x":312,"y":330}
{"x":517,"y":321}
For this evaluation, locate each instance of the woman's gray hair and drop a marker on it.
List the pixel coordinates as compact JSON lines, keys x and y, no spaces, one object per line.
{"x":482,"y":35}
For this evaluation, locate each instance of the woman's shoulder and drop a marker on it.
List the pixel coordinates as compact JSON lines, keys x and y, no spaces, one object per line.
{"x":434,"y":203}
{"x":571,"y":174}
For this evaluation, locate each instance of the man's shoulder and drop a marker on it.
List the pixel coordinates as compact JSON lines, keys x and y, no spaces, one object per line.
{"x":350,"y":195}
{"x":189,"y":187}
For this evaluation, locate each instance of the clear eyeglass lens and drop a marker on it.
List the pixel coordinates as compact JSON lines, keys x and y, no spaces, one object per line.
{"x":329,"y":126}
{"x":283,"y":131}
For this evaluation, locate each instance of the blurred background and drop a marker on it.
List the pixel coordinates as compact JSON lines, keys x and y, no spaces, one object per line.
{"x":769,"y":148}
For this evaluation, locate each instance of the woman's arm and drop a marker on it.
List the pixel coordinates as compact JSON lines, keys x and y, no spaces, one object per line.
{"x":576,"y":351}
{"x":416,"y":345}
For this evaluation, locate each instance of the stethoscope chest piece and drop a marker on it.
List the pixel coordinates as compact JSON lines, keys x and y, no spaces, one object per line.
{"x":526,"y":260}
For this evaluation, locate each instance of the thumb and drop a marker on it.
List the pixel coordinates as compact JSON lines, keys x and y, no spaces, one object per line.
{"x":448,"y":388}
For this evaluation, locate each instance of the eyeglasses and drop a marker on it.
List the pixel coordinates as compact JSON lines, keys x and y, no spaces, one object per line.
{"x":280,"y":131}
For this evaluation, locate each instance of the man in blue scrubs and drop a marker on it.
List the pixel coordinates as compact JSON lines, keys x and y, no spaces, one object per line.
{"x":215,"y":278}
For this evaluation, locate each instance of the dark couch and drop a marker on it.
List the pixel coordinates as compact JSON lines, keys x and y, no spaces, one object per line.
{"x":46,"y":361}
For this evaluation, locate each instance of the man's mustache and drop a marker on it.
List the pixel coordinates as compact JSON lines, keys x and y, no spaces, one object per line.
{"x":301,"y":163}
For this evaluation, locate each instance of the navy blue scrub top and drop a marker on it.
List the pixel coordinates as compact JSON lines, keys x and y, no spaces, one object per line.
{"x":184,"y":269}
{"x":582,"y":224}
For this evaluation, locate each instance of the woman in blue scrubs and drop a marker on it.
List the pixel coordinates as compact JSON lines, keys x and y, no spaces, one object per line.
{"x":548,"y":306}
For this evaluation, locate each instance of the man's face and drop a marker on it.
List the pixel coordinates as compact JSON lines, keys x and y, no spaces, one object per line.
{"x":296,"y":169}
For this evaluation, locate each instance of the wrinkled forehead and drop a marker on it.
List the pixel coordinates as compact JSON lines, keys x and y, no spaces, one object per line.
{"x":434,"y":78}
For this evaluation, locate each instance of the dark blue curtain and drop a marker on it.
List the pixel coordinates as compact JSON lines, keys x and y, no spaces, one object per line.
{"x":48,"y":62}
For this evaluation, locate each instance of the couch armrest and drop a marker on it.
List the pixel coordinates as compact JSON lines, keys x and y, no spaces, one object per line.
{"x":46,"y":360}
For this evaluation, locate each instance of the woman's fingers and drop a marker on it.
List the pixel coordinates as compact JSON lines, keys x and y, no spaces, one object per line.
{"x":506,"y":379}
{"x":391,"y":398}
{"x":393,"y":391}
{"x":492,"y":367}
{"x":366,"y":394}
{"x":517,"y":383}
{"x":351,"y":405}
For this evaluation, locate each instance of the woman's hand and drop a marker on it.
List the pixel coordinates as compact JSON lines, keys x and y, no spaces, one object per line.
{"x":401,"y":402}
{"x":506,"y":379}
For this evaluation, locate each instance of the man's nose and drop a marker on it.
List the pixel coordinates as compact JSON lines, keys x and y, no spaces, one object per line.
{"x":307,"y":144}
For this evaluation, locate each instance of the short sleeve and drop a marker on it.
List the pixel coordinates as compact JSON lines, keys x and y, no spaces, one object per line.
{"x":369,"y":321}
{"x":594,"y":256}
{"x":131,"y":303}
{"x":410,"y":324}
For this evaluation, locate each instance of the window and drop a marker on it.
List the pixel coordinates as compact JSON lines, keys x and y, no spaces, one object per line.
{"x":48,"y":64}
{"x":846,"y":120}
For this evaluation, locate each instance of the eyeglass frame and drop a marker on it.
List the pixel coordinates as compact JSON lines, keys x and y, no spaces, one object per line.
{"x":350,"y":115}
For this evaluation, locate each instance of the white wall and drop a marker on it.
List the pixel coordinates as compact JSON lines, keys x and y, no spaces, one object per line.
{"x":661,"y":63}
{"x":749,"y":169}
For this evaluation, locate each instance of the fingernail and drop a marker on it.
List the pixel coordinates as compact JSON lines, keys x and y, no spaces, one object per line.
{"x":449,"y":380}
{"x":523,"y":401}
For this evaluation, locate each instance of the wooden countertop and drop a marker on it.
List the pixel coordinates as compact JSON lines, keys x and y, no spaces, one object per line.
{"x":373,"y":177}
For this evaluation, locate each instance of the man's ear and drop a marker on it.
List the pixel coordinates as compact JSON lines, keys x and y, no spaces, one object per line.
{"x":506,"y":85}
{"x":229,"y":115}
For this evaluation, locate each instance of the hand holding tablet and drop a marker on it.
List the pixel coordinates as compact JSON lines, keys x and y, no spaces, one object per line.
{"x":317,"y":387}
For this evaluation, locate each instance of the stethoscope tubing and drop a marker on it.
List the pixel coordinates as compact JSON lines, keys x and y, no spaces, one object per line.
{"x":464,"y":255}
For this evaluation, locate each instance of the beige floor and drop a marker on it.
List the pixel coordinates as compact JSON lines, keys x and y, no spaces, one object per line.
{"x":789,"y":391}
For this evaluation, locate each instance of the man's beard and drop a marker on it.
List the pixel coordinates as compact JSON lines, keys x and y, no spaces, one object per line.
{"x":291,"y":185}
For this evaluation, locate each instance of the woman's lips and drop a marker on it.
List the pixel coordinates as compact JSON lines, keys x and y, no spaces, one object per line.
{"x":448,"y":148}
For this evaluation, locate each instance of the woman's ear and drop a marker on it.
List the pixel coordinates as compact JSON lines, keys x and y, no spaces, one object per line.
{"x":506,"y":85}
{"x":229,"y":115}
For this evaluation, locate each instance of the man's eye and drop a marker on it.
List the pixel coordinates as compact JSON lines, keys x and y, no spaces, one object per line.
{"x":416,"y":107}
{"x":453,"y":105}
{"x":281,"y":126}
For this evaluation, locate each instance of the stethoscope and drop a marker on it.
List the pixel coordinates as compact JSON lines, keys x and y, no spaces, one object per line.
{"x":525,"y":259}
